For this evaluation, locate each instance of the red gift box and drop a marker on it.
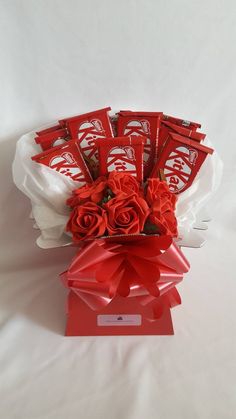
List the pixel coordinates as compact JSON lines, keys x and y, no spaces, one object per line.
{"x":122,"y":316}
{"x":124,"y":285}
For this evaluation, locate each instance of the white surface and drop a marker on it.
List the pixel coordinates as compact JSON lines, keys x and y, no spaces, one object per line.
{"x":59,"y":58}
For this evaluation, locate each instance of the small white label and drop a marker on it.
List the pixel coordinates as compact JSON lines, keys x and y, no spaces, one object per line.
{"x":119,"y":320}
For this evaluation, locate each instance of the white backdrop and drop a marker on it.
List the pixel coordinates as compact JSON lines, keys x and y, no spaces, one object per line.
{"x":61,"y":58}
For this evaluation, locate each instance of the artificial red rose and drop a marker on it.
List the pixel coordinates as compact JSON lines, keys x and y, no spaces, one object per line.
{"x":126,"y":214}
{"x":93,"y":192}
{"x":162,"y":219}
{"x":74,"y":200}
{"x":170,"y":223}
{"x":164,"y":224}
{"x":157,"y":189}
{"x":123,"y":182}
{"x":86,"y":221}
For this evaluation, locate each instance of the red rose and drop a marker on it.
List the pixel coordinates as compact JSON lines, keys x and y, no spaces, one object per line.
{"x":123,"y":182}
{"x":165,"y":224}
{"x":157,"y":189}
{"x":74,"y":200}
{"x":86,"y":221}
{"x":126,"y":215}
{"x":91,"y":192}
{"x":162,"y":219}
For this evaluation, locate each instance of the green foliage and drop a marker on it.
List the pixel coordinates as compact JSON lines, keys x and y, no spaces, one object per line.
{"x":150,"y":228}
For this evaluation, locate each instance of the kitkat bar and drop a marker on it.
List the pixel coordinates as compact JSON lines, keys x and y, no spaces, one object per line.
{"x":67,"y":160}
{"x":167,"y":127}
{"x":182,"y":122}
{"x":146,"y":124}
{"x":87,"y":128}
{"x":122,"y":154}
{"x":52,"y":138}
{"x":180,"y":160}
{"x":47,"y":130}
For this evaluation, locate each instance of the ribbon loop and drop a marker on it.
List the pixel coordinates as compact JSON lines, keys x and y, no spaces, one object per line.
{"x":143,"y":267}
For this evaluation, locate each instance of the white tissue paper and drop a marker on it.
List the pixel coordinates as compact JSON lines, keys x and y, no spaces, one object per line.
{"x":48,"y":191}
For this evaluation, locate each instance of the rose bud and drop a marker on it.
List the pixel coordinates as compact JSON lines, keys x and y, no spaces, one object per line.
{"x":163,"y":223}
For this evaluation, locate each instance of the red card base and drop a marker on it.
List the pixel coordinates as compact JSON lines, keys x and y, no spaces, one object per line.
{"x":123,"y":316}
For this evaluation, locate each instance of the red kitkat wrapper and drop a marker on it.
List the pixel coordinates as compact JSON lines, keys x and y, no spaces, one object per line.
{"x":146,"y":124}
{"x":167,"y":127}
{"x":47,"y":130}
{"x":123,"y":154}
{"x":52,"y":138}
{"x":66,"y":159}
{"x":180,"y":161}
{"x":88,"y":128}
{"x":182,"y":122}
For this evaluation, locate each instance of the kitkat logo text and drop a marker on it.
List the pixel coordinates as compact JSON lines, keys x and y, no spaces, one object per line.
{"x":66,"y":165}
{"x":122,"y":159}
{"x":88,"y":133}
{"x":178,"y":168}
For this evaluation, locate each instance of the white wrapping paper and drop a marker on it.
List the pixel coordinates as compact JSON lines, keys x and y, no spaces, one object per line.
{"x":48,"y":191}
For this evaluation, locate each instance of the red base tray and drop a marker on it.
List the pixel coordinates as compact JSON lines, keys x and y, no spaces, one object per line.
{"x":83,"y":321}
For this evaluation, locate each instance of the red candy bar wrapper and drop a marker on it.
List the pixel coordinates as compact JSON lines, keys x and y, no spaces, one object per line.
{"x":167,"y":127}
{"x":182,"y":122}
{"x":146,"y":124}
{"x":88,"y":128}
{"x":52,"y":138}
{"x":47,"y":130}
{"x":180,"y":161}
{"x":123,"y":154}
{"x":66,"y":159}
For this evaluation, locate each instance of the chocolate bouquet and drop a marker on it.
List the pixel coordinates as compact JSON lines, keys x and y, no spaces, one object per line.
{"x":111,"y":185}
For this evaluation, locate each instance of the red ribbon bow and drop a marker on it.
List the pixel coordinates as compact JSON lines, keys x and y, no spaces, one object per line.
{"x":144,"y":267}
